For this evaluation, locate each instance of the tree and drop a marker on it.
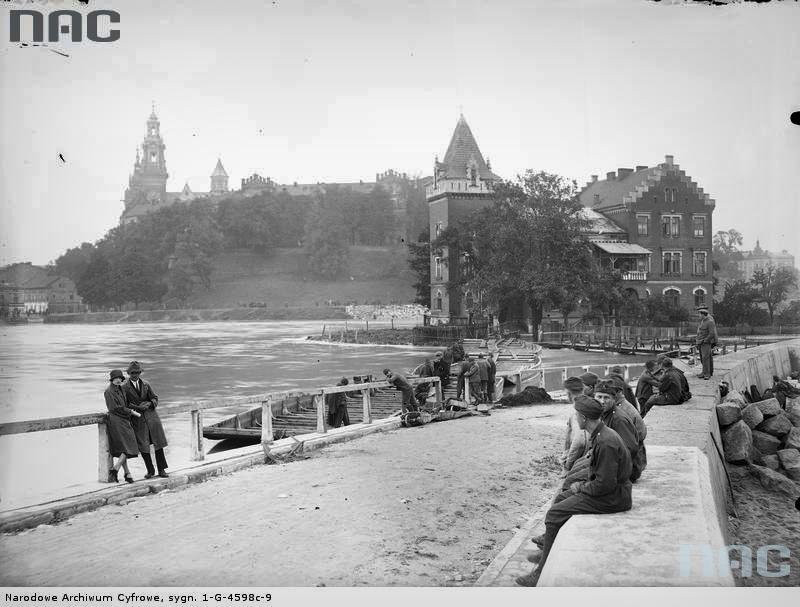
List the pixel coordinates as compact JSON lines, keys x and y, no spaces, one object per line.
{"x":725,"y":254}
{"x":420,"y":262}
{"x":772,"y":285}
{"x":661,"y":312}
{"x":526,"y":245}
{"x":738,"y":305}
{"x":73,"y":262}
{"x":726,"y":243}
{"x":325,"y":247}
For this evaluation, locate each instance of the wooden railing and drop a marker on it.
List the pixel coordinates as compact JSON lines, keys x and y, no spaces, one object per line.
{"x":196,"y":409}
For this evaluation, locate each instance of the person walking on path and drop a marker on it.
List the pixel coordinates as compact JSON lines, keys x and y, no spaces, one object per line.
{"x":607,"y":490}
{"x":647,"y":384}
{"x":121,"y":439}
{"x":337,"y":407}
{"x":706,"y":340}
{"x":483,"y":373}
{"x":400,"y":382}
{"x":149,"y":431}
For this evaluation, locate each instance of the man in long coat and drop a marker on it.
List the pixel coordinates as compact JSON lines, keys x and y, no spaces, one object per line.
{"x":337,"y":407}
{"x":706,"y":340}
{"x":608,"y":488}
{"x":149,"y":431}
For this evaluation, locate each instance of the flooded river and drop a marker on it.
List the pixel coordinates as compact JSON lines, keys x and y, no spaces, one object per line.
{"x":51,"y":370}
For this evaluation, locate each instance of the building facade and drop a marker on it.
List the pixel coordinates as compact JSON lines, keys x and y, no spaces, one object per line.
{"x":26,"y":289}
{"x":759,"y":259}
{"x":462,"y":183}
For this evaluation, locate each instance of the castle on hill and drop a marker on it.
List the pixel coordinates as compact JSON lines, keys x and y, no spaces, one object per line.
{"x":147,"y":184}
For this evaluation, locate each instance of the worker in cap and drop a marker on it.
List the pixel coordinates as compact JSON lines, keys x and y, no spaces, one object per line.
{"x":576,"y":442}
{"x":608,"y":394}
{"x":607,"y":489}
{"x":589,"y":380}
{"x":706,"y":340}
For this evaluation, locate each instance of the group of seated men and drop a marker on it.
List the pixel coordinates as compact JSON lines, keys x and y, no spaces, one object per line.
{"x":604,"y":453}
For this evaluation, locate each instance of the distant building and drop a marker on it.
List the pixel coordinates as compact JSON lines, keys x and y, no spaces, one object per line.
{"x":28,"y":289}
{"x":758,"y":259}
{"x":147,"y":184}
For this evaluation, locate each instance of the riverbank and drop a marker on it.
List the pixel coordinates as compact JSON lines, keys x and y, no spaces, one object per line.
{"x":211,"y":315}
{"x":380,"y":337}
{"x":426,"y":506}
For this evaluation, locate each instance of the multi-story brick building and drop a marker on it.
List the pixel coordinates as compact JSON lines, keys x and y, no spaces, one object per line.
{"x":29,"y":289}
{"x":662,"y":239}
{"x":758,"y":259}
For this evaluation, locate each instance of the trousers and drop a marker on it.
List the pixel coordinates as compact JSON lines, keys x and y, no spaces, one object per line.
{"x":707,"y":359}
{"x":161,"y":461}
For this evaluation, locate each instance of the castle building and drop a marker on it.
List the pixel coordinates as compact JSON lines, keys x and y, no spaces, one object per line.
{"x":759,"y":259}
{"x":462,"y":183}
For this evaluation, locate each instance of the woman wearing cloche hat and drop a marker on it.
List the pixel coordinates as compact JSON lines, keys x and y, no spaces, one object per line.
{"x":121,"y":439}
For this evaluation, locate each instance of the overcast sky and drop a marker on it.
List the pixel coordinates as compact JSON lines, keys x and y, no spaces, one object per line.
{"x":337,"y":91}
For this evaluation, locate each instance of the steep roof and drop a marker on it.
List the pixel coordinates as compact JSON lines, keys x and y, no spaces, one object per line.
{"x":26,"y":275}
{"x":462,"y":152}
{"x":600,"y":224}
{"x":219,"y":170}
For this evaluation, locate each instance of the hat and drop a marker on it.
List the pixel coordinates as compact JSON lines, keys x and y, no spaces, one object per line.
{"x":589,"y":378}
{"x":134,"y":367}
{"x":606,"y":386}
{"x":573,"y":383}
{"x":616,"y":369}
{"x":588,"y":406}
{"x":437,"y":355}
{"x":617,"y":381}
{"x":387,"y":371}
{"x":114,"y":374}
{"x":702,"y":309}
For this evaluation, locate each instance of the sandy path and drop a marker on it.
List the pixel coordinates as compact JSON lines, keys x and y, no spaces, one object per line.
{"x":427,"y":506}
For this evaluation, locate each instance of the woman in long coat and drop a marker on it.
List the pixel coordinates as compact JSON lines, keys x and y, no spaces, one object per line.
{"x":121,"y":439}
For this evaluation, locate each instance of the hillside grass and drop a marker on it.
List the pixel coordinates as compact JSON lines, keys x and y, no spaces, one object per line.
{"x":278,"y":279}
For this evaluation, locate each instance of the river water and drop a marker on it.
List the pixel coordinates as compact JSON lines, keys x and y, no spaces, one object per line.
{"x":51,"y":370}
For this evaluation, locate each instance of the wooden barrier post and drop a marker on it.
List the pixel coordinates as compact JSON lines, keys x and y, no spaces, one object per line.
{"x":196,"y":436}
{"x":627,"y":374}
{"x":319,"y":404}
{"x":438,"y":387}
{"x":267,"y":434}
{"x":367,"y":406}
{"x":466,"y":389}
{"x":564,"y":374}
{"x":104,"y":459}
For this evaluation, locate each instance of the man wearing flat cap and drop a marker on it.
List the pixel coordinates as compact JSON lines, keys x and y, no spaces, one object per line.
{"x":608,"y":488}
{"x":576,"y":443}
{"x":148,"y":429}
{"x":706,"y":340}
{"x":589,"y":380}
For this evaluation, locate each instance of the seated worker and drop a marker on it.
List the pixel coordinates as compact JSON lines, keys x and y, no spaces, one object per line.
{"x":400,"y":382}
{"x":608,"y":488}
{"x":589,"y":380}
{"x":670,"y":392}
{"x":646,"y":385}
{"x":618,"y":371}
{"x":421,"y":391}
{"x":576,"y":443}
{"x":622,"y":405}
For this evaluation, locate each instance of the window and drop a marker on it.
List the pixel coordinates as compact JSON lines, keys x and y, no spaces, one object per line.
{"x":672,"y":262}
{"x":642,"y":264}
{"x":469,"y":301}
{"x":439,"y":228}
{"x":699,"y":226}
{"x":438,"y":301}
{"x":671,"y":226}
{"x":699,"y":263}
{"x":673,"y":297}
{"x":437,"y":267}
{"x":643,"y":225}
{"x":699,"y":297}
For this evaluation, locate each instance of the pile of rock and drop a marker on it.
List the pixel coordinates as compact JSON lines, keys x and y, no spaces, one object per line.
{"x":762,"y":433}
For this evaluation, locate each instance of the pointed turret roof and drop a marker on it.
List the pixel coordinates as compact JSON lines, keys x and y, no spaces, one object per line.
{"x":186,"y":188}
{"x":462,"y":152}
{"x":219,"y":170}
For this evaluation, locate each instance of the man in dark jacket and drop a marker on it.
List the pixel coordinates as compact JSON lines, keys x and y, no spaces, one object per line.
{"x":149,"y":431}
{"x":421,"y":391}
{"x":483,"y":372}
{"x":400,"y":382}
{"x":463,"y":369}
{"x":618,"y":372}
{"x":670,"y":390}
{"x":706,"y":340}
{"x":608,"y":488}
{"x":646,"y":384}
{"x":492,"y":377}
{"x":337,"y":407}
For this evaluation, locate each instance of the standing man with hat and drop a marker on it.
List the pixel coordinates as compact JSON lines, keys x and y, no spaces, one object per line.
{"x":706,"y":340}
{"x":148,"y":428}
{"x":608,"y":488}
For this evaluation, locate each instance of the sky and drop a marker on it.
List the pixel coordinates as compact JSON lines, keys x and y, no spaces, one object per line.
{"x":339,"y":91}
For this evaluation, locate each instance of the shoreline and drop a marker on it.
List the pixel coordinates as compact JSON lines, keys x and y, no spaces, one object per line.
{"x":203,"y":315}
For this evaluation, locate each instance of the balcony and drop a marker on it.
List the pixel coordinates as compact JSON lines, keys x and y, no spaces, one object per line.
{"x":634,"y":275}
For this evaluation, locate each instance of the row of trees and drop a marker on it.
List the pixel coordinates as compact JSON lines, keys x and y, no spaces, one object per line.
{"x":169,"y":253}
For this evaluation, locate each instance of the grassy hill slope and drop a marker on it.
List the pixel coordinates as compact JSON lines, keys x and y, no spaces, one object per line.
{"x":375,"y":275}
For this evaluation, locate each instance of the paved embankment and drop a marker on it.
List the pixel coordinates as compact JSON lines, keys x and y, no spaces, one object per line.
{"x":425,"y":506}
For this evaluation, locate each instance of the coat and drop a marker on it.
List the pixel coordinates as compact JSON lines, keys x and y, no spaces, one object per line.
{"x":148,"y":427}
{"x":474,"y":373}
{"x":645,"y":385}
{"x":610,"y":470}
{"x":707,"y":331}
{"x":483,"y":368}
{"x":121,"y":438}
{"x":337,"y":409}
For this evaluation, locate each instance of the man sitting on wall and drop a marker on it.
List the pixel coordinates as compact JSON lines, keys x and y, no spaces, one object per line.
{"x":607,"y":490}
{"x":670,"y":391}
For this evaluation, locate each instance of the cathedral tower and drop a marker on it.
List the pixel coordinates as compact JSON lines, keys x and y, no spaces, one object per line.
{"x":462,"y":183}
{"x":148,"y":183}
{"x":219,"y":180}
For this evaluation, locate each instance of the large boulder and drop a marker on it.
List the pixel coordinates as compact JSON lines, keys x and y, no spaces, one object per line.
{"x":793,"y":411}
{"x":769,"y":407}
{"x":728,"y":413}
{"x":771,"y":461}
{"x":735,"y":397}
{"x":774,"y":481}
{"x":752,"y":416}
{"x":766,"y":443}
{"x":792,"y":440}
{"x":790,"y":460}
{"x":737,"y":442}
{"x":777,"y":425}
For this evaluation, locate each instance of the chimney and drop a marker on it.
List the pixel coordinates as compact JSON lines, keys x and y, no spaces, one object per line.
{"x":610,"y":176}
{"x":623,"y":173}
{"x":641,"y":167}
{"x":594,"y":178}
{"x":668,"y":159}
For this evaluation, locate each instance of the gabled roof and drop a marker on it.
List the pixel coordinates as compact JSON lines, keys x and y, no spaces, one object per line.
{"x":27,"y":276}
{"x":219,"y":170}
{"x":462,"y":152}
{"x":600,"y":224}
